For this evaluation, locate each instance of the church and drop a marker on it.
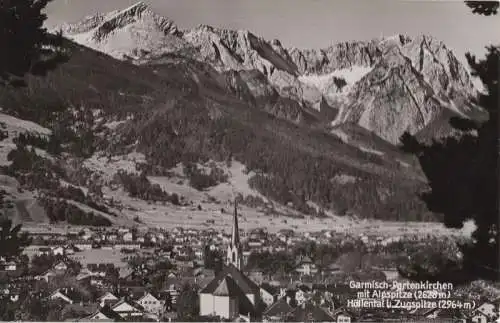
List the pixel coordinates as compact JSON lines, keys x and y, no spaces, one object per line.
{"x":231,"y":293}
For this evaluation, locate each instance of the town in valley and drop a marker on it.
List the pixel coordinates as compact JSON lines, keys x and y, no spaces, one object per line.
{"x":128,"y":274}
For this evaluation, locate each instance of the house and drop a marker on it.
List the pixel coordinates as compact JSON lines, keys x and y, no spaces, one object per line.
{"x":10,"y":266}
{"x":278,"y":312}
{"x":255,"y":244}
{"x":478,"y":317}
{"x":83,"y":245}
{"x":61,"y":266}
{"x":151,"y":304}
{"x":68,"y":295}
{"x":268,"y":294}
{"x":86,"y":236}
{"x":58,"y":251}
{"x":199,"y":254}
{"x":107,"y":299}
{"x":112,"y":237}
{"x":14,"y":297}
{"x":127,"y":310}
{"x":44,"y":251}
{"x":343,"y":316}
{"x":12,"y":294}
{"x":128,"y":236}
{"x":69,"y":250}
{"x":306,"y":267}
{"x":487,"y":308}
{"x":486,"y":312}
{"x":309,"y":312}
{"x":230,"y":293}
{"x":105,"y":314}
{"x":46,"y":275}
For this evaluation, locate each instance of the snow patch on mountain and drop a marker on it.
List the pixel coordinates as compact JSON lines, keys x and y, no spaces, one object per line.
{"x":350,"y":75}
{"x":327,"y":83}
{"x":353,"y":74}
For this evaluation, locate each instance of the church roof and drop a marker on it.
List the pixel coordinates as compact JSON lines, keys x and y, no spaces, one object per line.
{"x":242,"y":281}
{"x":227,"y":287}
{"x":231,"y":282}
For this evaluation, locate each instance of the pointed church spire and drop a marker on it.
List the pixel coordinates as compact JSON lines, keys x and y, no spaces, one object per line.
{"x":235,"y":238}
{"x":234,"y":252}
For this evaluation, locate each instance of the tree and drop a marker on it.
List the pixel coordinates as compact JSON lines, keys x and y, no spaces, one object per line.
{"x":213,"y":259}
{"x":188,"y":306}
{"x":12,"y":242}
{"x":486,"y":8}
{"x":463,"y":172}
{"x":27,"y":47}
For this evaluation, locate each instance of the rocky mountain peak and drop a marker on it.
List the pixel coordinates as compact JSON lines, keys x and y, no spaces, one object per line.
{"x":398,"y":78}
{"x":138,"y":14}
{"x":136,"y":9}
{"x":133,"y":32}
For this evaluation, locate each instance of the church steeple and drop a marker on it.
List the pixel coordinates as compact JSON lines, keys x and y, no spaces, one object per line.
{"x":235,"y":237}
{"x":234,"y":252}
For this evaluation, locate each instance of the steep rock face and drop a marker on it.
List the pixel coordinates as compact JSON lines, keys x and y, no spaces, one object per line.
{"x":392,"y":90}
{"x":387,"y":85}
{"x":408,"y":88}
{"x":230,"y":49}
{"x":340,"y":56}
{"x":441,"y":69}
{"x":250,"y":86}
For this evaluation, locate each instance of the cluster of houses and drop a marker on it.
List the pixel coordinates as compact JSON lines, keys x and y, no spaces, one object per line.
{"x":234,"y":293}
{"x":234,"y":296}
{"x":190,"y":242}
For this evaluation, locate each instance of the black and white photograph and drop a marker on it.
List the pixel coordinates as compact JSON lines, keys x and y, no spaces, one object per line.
{"x":249,"y":161}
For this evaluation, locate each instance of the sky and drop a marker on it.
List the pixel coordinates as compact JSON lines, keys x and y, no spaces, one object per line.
{"x":314,"y":23}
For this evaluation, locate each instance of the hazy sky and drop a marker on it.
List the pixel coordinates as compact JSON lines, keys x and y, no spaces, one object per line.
{"x":314,"y":23}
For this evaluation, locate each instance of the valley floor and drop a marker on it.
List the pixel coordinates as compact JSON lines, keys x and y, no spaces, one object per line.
{"x":272,"y":225}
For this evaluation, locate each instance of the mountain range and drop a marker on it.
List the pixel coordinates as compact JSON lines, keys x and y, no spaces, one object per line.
{"x":151,"y":124}
{"x":387,"y":86}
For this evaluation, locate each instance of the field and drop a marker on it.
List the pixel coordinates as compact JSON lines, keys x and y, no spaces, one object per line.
{"x":99,"y":256}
